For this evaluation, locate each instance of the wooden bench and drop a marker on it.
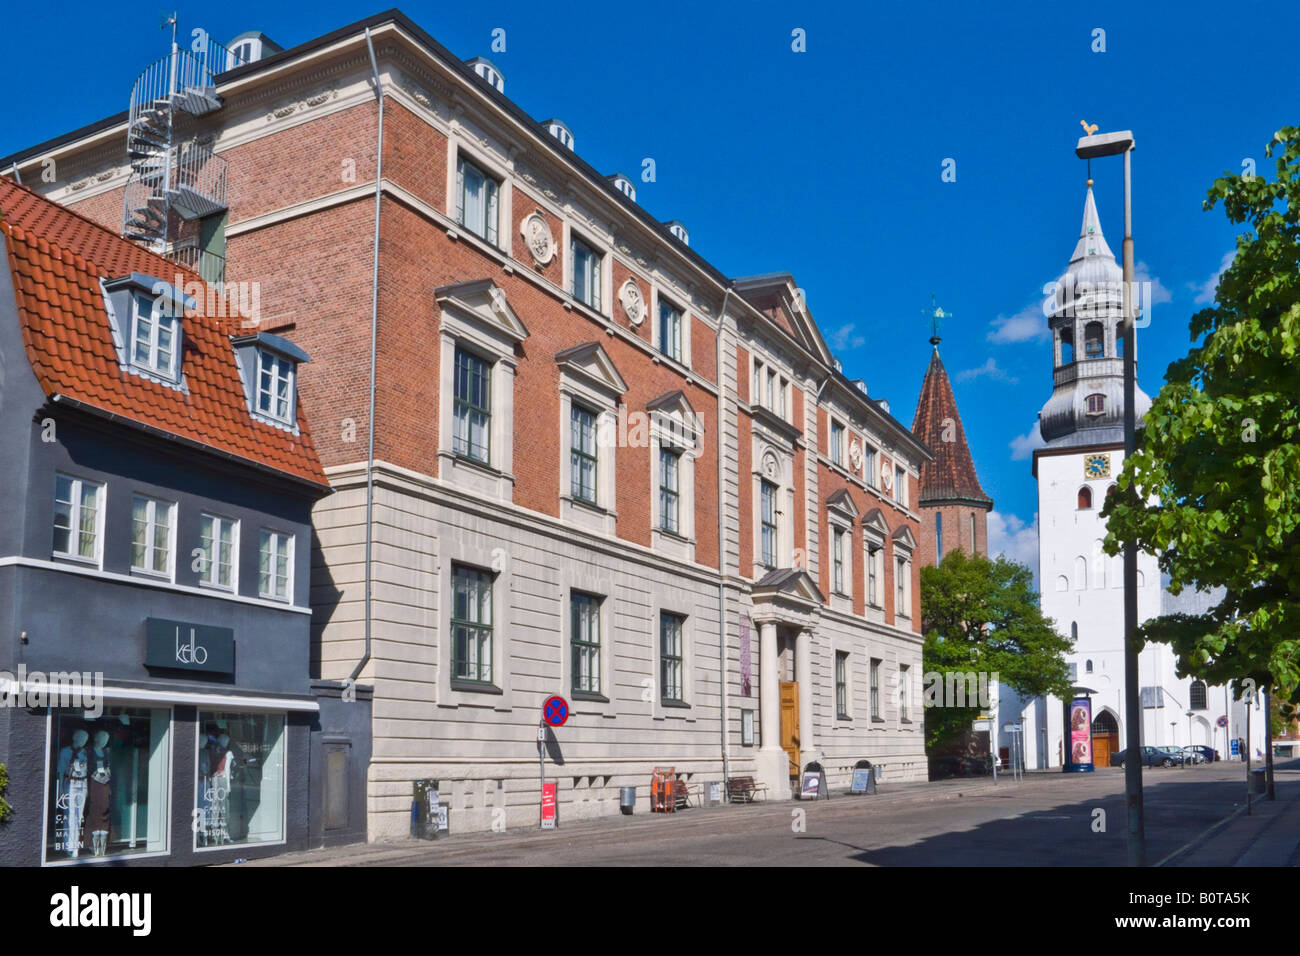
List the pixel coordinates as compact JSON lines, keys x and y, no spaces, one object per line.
{"x":682,"y":793}
{"x":744,"y":789}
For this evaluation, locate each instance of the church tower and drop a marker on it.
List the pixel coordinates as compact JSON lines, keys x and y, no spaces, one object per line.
{"x":954,"y":508}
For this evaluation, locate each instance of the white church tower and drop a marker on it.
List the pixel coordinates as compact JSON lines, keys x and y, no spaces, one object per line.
{"x":1082,"y":427}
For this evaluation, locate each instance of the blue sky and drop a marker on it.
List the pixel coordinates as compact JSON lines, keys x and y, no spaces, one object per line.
{"x":827,"y":163}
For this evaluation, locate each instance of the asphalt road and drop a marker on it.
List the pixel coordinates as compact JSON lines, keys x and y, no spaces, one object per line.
{"x":1049,"y":819}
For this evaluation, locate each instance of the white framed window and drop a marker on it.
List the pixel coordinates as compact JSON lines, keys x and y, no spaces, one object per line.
{"x":902,"y":586}
{"x":476,"y":200}
{"x":670,"y":490}
{"x":837,"y":443}
{"x":219,"y":544}
{"x":875,"y":689}
{"x":78,"y":518}
{"x":155,"y":336}
{"x":905,"y":693}
{"x":842,"y":685}
{"x":586,"y":272}
{"x":583,"y":454}
{"x":672,"y":658}
{"x":900,"y":485}
{"x":769,"y":524}
{"x":152,"y":526}
{"x":472,"y":407}
{"x":275,"y":565}
{"x":875,"y":563}
{"x":869,"y":465}
{"x":584,"y":638}
{"x":838,"y":577}
{"x":275,"y":393}
{"x":471,"y":624}
{"x":670,"y":330}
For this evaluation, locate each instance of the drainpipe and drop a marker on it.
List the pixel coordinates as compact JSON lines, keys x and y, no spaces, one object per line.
{"x":722,"y":549}
{"x":374,"y":338}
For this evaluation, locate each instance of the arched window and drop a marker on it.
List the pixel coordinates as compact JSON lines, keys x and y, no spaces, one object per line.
{"x":1197,"y":695}
{"x":1085,"y":498}
{"x":1062,"y":583}
{"x":1096,"y":404}
{"x":1074,"y":631}
{"x":1080,"y":573}
{"x":1094,"y":340}
{"x":1067,"y":346}
{"x":1088,"y":667}
{"x":1111,"y":490}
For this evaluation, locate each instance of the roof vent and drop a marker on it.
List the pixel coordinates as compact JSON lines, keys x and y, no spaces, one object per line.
{"x":623,"y":185}
{"x":560,"y":131}
{"x":249,"y":48}
{"x":678,"y":230}
{"x":487,"y":69}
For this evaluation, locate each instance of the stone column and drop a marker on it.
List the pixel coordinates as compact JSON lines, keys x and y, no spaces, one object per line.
{"x":769,"y":690}
{"x":770,"y":762}
{"x":803,"y":671}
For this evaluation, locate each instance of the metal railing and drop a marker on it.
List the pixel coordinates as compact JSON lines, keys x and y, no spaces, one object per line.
{"x":210,"y":266}
{"x":179,"y":73}
{"x":198,"y":168}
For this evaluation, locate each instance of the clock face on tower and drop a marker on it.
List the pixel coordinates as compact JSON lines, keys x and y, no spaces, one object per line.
{"x":1096,"y":466}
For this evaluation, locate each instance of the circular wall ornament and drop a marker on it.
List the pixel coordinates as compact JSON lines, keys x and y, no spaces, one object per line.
{"x":633,"y":301}
{"x":537,"y":236}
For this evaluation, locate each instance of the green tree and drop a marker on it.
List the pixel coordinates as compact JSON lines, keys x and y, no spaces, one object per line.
{"x":1214,"y":486}
{"x":983,"y":615}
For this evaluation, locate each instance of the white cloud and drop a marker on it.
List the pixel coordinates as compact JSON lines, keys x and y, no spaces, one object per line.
{"x":1014,"y":540}
{"x":843,"y":339}
{"x":1205,"y":290}
{"x":1027,"y":325}
{"x":1022,"y":446}
{"x":1159,"y":294}
{"x":990,"y":369}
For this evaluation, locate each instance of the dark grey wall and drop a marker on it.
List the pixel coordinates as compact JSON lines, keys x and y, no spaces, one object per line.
{"x":340,"y":723}
{"x":22,"y":837}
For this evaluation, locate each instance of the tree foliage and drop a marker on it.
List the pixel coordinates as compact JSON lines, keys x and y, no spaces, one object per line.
{"x":983,"y":615}
{"x":5,"y":808}
{"x":1214,"y":486}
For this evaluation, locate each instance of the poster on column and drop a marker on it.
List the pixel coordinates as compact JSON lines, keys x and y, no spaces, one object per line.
{"x":1080,"y":722}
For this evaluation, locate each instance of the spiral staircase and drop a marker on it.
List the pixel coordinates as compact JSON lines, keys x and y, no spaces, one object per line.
{"x":174,"y":176}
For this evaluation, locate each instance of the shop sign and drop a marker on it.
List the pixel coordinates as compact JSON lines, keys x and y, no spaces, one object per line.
{"x":178,"y":645}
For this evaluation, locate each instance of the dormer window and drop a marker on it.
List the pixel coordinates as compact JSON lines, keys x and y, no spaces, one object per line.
{"x":145,"y":320}
{"x":269,"y":367}
{"x":275,"y":376}
{"x":155,"y":337}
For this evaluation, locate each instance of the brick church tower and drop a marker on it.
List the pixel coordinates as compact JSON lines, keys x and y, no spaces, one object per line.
{"x":954,"y":508}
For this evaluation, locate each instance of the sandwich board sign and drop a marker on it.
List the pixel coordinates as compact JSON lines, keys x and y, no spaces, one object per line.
{"x":548,"y":806}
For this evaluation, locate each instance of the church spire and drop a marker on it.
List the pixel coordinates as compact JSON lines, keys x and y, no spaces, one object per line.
{"x":1092,"y":242}
{"x":951,"y":477}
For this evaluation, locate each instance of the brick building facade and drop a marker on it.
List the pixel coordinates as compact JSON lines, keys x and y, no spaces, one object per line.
{"x":600,"y":467}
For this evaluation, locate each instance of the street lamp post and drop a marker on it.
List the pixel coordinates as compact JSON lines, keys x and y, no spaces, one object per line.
{"x":1089,"y":147}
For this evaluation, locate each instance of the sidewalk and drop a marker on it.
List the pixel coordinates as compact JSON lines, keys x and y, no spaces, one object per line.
{"x":460,"y":844}
{"x":1268,"y":836}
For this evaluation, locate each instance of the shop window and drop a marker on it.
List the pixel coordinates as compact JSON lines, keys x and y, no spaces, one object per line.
{"x":241,"y":779}
{"x":108,"y":783}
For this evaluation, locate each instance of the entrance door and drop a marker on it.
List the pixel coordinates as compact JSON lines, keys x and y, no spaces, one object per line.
{"x":1105,"y":739}
{"x":790,"y":724}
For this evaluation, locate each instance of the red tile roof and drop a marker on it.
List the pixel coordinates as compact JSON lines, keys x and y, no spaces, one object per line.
{"x":57,"y":259}
{"x":951,"y":476}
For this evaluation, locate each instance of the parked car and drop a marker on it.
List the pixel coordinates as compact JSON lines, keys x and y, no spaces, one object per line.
{"x":1192,"y":755}
{"x":1209,"y":753}
{"x":1151,"y":757}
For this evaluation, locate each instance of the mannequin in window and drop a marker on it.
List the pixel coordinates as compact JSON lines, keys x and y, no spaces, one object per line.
{"x":72,"y":771}
{"x":217,"y":763}
{"x":99,"y":795}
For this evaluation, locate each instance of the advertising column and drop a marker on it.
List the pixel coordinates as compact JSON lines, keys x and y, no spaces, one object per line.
{"x":1078,"y":756}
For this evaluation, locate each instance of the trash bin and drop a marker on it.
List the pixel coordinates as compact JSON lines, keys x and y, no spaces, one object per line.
{"x":626,"y":800}
{"x":1258,"y":781}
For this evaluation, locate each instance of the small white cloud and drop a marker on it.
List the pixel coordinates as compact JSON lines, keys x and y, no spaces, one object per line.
{"x":1022,"y":446}
{"x":843,"y":339}
{"x":1014,"y":540}
{"x":990,"y":369}
{"x":1027,"y":325}
{"x":1205,"y":290}
{"x":1159,"y":294}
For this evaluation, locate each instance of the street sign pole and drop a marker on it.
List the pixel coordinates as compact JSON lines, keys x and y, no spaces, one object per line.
{"x":541,"y":768}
